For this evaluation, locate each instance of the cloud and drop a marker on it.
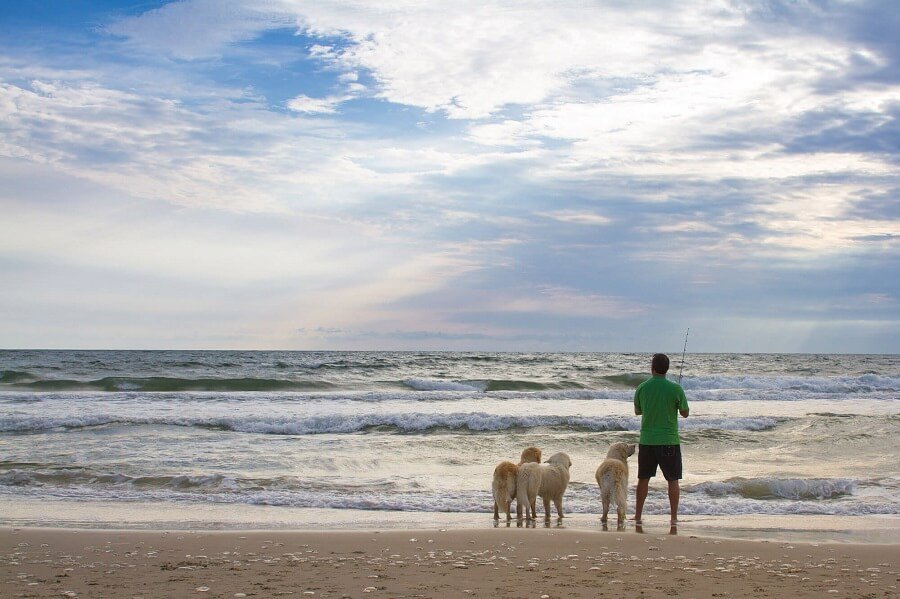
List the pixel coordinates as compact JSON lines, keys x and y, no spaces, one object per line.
{"x":559,"y":300}
{"x":198,"y":28}
{"x":305,"y":104}
{"x":576,"y":217}
{"x":437,"y":172}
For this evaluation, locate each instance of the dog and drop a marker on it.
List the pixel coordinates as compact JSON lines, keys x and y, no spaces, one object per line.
{"x":505,"y":482}
{"x":554,"y":474}
{"x":612,"y":477}
{"x":504,"y":488}
{"x":528,"y":481}
{"x":528,"y":484}
{"x":530,"y":454}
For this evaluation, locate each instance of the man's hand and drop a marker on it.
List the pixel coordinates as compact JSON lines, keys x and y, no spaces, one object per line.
{"x":684,"y":413}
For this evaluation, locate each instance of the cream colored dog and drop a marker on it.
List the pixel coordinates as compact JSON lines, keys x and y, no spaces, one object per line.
{"x":612,"y":476}
{"x":505,"y":482}
{"x":554,"y":478}
{"x":528,"y":484}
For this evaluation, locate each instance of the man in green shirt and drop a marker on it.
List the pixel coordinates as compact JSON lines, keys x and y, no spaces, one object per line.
{"x":658,"y":402}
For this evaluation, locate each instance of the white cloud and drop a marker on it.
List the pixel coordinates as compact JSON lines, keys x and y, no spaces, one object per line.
{"x":199,"y":28}
{"x":577,"y":217}
{"x":686,"y":227}
{"x":305,"y":104}
{"x":572,"y":302}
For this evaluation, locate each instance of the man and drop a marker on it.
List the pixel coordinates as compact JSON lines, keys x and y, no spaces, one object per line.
{"x":658,"y":402}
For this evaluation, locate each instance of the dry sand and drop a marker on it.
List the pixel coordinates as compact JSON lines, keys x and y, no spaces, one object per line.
{"x":501,"y":562}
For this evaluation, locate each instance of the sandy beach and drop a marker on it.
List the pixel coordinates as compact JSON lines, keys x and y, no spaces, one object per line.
{"x":502,"y":562}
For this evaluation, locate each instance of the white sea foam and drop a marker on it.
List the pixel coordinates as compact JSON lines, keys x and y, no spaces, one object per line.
{"x":351,"y":423}
{"x":784,"y":488}
{"x":441,"y":385}
{"x":866,"y":383}
{"x":580,"y":498}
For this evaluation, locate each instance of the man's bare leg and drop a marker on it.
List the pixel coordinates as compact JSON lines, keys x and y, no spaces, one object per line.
{"x":643,"y":486}
{"x":674,"y":496}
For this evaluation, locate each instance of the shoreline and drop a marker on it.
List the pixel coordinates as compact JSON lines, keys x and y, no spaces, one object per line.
{"x":164,"y":516}
{"x":433,"y":562}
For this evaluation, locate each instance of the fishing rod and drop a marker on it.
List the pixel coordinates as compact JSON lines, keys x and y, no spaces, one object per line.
{"x":683,"y":351}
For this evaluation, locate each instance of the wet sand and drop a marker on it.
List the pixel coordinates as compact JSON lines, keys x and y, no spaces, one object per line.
{"x":441,"y":562}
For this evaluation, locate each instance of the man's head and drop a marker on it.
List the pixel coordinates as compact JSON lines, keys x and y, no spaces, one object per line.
{"x":660,"y":364}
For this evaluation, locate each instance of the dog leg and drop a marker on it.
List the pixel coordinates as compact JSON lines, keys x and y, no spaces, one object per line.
{"x":605,"y":499}
{"x":546,"y":508}
{"x":496,"y":512}
{"x":558,"y":502}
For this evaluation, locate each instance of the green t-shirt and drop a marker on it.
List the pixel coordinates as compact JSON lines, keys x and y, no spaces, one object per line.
{"x":659,"y":400}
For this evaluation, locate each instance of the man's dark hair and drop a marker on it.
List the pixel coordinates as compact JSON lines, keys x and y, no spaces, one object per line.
{"x":660,"y":363}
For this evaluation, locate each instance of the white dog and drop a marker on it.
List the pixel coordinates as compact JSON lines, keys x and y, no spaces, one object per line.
{"x":528,"y":484}
{"x":612,"y":476}
{"x":554,"y":480}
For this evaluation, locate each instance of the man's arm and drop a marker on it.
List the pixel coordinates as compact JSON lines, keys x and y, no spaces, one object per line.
{"x":637,"y":403}
{"x":684,"y":413}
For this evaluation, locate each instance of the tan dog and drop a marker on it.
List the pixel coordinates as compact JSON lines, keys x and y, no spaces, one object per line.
{"x":530,"y":454}
{"x":528,"y":484}
{"x":612,"y":476}
{"x":504,"y":488}
{"x":554,"y":480}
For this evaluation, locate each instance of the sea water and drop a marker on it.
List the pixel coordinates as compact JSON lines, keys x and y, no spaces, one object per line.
{"x":776,"y":434}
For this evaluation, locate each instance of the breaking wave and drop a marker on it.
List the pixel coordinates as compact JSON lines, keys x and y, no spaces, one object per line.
{"x":866,"y":383}
{"x":24,"y":380}
{"x":394,"y":422}
{"x":801,"y":496}
{"x":777,"y":488}
{"x":488,"y":385}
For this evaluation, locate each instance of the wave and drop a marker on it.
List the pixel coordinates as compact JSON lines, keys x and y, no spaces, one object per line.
{"x":440,"y":385}
{"x":866,"y":383}
{"x":345,"y":364}
{"x":777,"y":488}
{"x":413,"y":422}
{"x":704,"y":387}
{"x":516,"y":385}
{"x":15,"y":376}
{"x":377,"y":495}
{"x":488,"y":385}
{"x":81,"y":476}
{"x":21,"y":380}
{"x":63,"y":476}
{"x":629,"y":379}
{"x":611,"y":386}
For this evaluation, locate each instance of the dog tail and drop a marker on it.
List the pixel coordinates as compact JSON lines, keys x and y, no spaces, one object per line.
{"x":607,"y":486}
{"x":522,"y":487}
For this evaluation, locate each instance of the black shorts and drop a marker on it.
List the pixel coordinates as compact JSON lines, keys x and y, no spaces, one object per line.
{"x":667,"y":457}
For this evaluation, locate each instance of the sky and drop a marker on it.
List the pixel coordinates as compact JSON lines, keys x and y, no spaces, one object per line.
{"x":467,"y":175}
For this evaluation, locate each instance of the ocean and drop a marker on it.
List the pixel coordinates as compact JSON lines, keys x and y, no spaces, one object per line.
{"x":365,"y":432}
